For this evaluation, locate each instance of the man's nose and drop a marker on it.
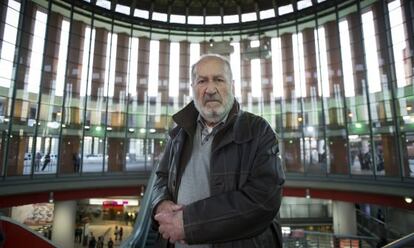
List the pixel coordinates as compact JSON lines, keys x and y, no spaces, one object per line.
{"x":211,"y":87}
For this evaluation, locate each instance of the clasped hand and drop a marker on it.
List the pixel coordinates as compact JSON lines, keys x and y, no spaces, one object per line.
{"x":170,"y":219}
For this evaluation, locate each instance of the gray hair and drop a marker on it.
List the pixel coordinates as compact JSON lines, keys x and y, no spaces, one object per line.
{"x":214,"y":56}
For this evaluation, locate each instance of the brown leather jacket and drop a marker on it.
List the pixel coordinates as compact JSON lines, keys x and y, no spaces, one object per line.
{"x":246,"y":180}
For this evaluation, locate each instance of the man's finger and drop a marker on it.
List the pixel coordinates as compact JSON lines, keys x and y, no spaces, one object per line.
{"x":160,"y":217}
{"x":177,"y":207}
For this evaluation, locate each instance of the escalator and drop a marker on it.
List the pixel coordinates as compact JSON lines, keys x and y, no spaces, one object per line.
{"x":143,"y":235}
{"x":14,"y":234}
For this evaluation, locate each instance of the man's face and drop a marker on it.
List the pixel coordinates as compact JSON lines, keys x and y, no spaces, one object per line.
{"x":212,"y":89}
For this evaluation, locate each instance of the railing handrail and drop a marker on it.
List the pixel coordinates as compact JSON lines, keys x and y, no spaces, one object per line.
{"x":401,"y":242}
{"x":143,"y":221}
{"x":386,"y":226}
{"x":34,"y":233}
{"x":347,"y":236}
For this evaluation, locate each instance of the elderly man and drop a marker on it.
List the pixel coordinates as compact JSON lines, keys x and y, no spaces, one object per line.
{"x":219,"y":181}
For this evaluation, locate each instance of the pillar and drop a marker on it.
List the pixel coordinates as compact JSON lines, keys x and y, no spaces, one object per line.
{"x":344,"y":218}
{"x":70,"y":145}
{"x":339,"y":157}
{"x":63,"y":231}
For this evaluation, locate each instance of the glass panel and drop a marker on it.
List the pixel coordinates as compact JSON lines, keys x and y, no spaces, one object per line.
{"x":173,"y":84}
{"x":409,"y":155}
{"x":76,"y":78}
{"x":26,"y":102}
{"x":361,"y":156}
{"x":235,"y":66}
{"x":115,"y":129}
{"x":385,"y":140}
{"x":8,"y":34}
{"x":292,"y":118}
{"x":96,"y":102}
{"x":153,"y":68}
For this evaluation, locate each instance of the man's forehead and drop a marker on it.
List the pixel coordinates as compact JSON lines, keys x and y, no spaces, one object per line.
{"x":200,"y":75}
{"x":220,"y":67}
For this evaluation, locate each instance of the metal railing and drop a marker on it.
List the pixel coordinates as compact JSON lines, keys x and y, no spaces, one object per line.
{"x":308,"y":239}
{"x":406,"y":241}
{"x":139,"y":235}
{"x":376,"y":227}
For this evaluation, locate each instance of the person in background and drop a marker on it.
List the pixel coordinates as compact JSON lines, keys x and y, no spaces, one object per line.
{"x":110,"y":243}
{"x":120,"y":232}
{"x":76,"y":162}
{"x":100,"y":243}
{"x":38,"y":158}
{"x":46,"y":162}
{"x":220,"y":178}
{"x":116,"y":232}
{"x":92,"y":241}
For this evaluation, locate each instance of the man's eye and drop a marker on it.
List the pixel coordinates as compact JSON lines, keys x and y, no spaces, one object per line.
{"x":200,"y":81}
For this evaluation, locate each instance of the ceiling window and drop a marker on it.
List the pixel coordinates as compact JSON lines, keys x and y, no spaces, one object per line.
{"x":265,"y":14}
{"x":122,"y":9}
{"x":249,"y":17}
{"x":213,"y":20}
{"x":162,"y":17}
{"x":304,"y":4}
{"x":230,"y":19}
{"x":286,"y":9}
{"x":141,"y":13}
{"x":177,"y":19}
{"x":195,"y":20}
{"x":104,"y":4}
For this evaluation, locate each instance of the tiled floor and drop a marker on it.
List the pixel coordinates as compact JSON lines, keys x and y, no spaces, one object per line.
{"x":107,"y":231}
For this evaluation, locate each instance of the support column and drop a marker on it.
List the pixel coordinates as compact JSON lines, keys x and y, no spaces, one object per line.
{"x":344,"y":218}
{"x":63,"y":231}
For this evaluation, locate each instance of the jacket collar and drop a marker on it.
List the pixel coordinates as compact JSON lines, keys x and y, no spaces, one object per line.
{"x":186,"y":118}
